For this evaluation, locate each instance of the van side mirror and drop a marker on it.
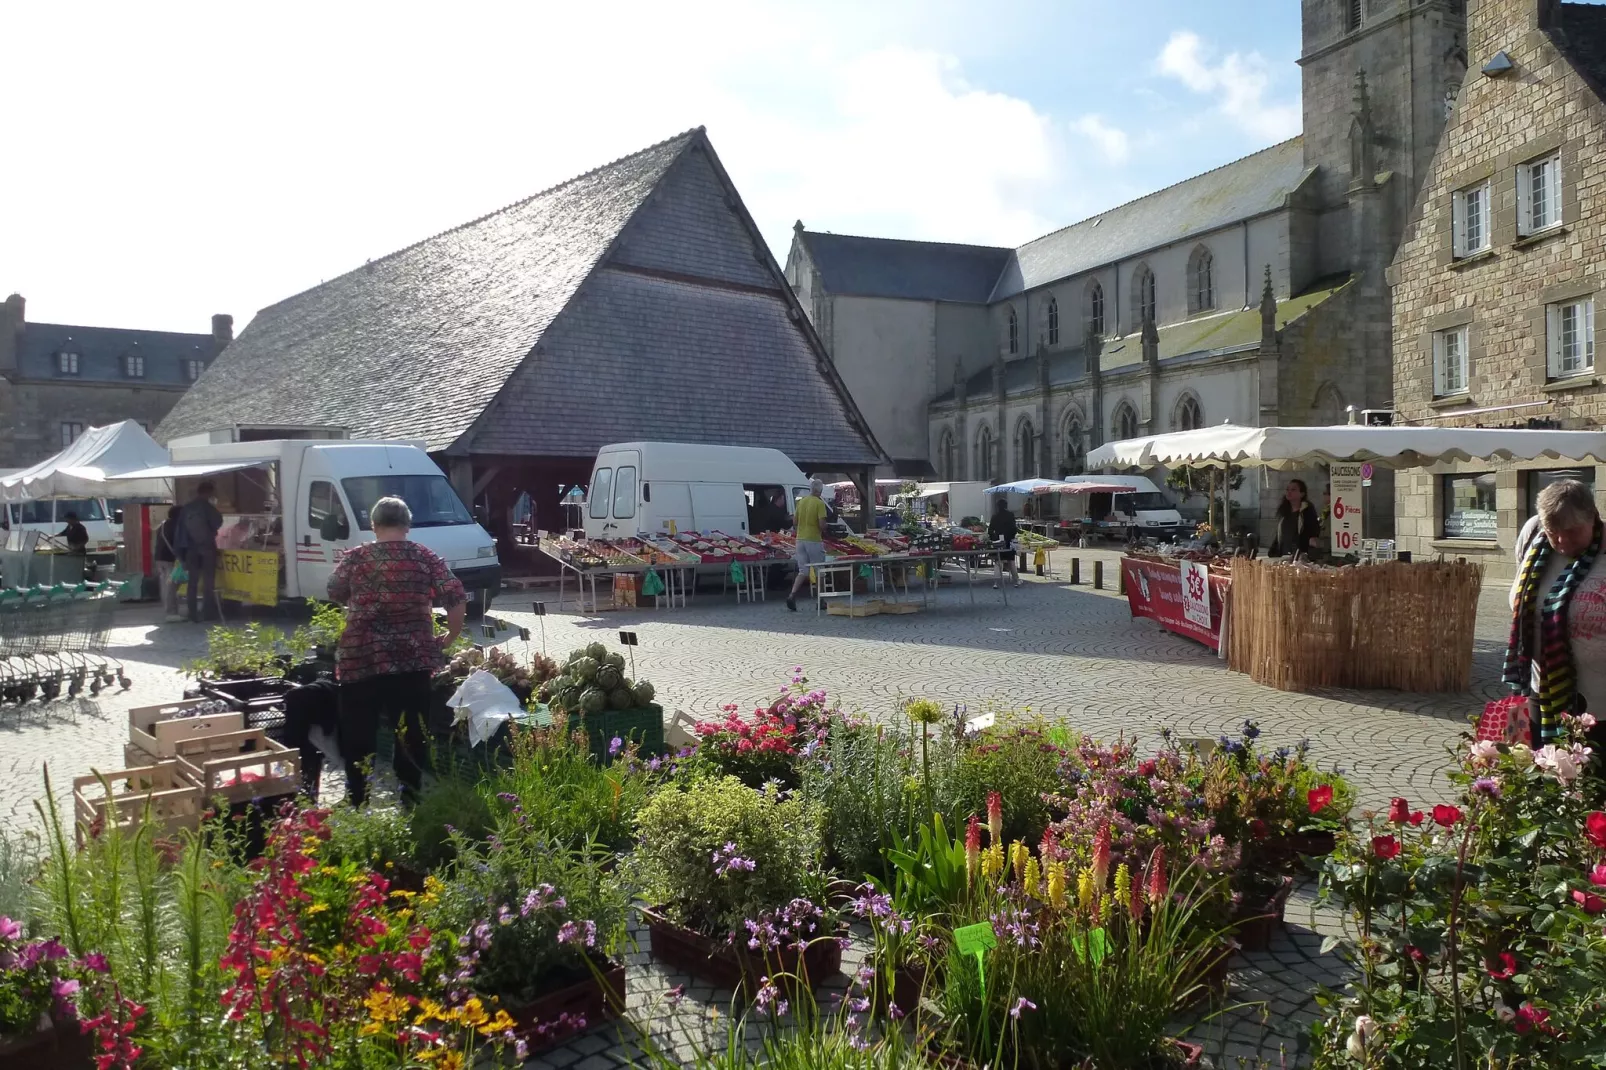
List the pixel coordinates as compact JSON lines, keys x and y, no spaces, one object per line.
{"x":117,"y":516}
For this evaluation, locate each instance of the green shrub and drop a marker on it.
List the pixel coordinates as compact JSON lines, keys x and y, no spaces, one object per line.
{"x":376,"y":837}
{"x":1020,"y":761}
{"x":562,"y":795}
{"x":719,"y":852}
{"x":448,"y":806}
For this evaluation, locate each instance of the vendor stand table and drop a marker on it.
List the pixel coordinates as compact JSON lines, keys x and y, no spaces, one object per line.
{"x":1188,"y":598}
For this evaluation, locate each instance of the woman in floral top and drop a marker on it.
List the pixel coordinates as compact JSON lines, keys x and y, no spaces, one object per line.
{"x":389,"y":649}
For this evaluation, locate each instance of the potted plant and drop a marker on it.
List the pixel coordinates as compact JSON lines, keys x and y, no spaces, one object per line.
{"x":736,"y":883}
{"x":39,"y":982}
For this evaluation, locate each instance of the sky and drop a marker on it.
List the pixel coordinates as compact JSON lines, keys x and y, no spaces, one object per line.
{"x":165,"y":162}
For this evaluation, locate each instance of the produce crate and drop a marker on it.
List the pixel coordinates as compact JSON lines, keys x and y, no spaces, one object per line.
{"x":240,"y":766}
{"x":857,"y":609}
{"x":260,"y":693}
{"x":644,"y":726}
{"x":154,"y":729}
{"x":120,"y":798}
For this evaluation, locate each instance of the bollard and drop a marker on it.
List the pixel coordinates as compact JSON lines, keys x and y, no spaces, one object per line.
{"x":1076,"y":571}
{"x":1098,"y":575}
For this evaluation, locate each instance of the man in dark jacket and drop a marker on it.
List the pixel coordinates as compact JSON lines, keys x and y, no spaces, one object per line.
{"x":1001,"y":534}
{"x":198,"y":525}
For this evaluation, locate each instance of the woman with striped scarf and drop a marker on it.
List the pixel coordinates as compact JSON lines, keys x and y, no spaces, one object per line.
{"x":1557,"y":652}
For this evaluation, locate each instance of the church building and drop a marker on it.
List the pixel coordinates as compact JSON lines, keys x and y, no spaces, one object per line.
{"x":1253,"y":293}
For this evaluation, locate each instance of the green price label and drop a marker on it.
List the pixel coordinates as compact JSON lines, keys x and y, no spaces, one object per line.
{"x":1095,"y":944}
{"x":975,"y":939}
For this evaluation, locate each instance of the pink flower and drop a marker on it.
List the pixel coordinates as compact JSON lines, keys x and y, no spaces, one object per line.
{"x":1504,"y":968}
{"x":1595,"y":829}
{"x":1101,"y":857}
{"x":1485,"y":752}
{"x":995,"y":817}
{"x":1589,"y":902}
{"x":1529,"y":1018}
{"x":9,"y":930}
{"x":1597,"y":876}
{"x":1157,"y":877}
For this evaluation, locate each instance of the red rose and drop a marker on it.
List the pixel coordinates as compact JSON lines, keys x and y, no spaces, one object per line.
{"x":1415,"y":954}
{"x":1257,"y":829}
{"x":1415,"y":819}
{"x":1597,"y":876}
{"x":1595,"y":829}
{"x":1504,"y":967}
{"x":1385,"y":847}
{"x":1318,"y":798}
{"x":1446,"y":815}
{"x":1590,"y":902}
{"x":1399,"y":811}
{"x":1530,"y":1018}
{"x":1147,"y":767}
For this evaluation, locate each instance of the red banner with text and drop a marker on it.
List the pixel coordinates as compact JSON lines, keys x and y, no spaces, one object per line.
{"x":1154,"y":590}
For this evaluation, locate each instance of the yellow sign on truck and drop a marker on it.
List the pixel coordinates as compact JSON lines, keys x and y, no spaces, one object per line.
{"x":246,"y":576}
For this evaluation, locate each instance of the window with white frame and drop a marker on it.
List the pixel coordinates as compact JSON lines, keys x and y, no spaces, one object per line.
{"x":134,"y":366}
{"x":67,"y":362}
{"x":1450,"y":372}
{"x":70,"y":433}
{"x":1539,"y":194}
{"x":194,"y":368}
{"x":1470,"y":210}
{"x":1570,"y":337}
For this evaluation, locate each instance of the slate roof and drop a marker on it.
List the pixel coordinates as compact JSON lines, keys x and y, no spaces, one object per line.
{"x":101,"y":351}
{"x":1579,"y":32}
{"x":1240,"y":190}
{"x":891,"y":267}
{"x":463,"y":340}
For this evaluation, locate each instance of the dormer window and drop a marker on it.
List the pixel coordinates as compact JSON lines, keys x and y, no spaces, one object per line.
{"x":67,"y":362}
{"x":133,"y":366}
{"x":194,"y":368}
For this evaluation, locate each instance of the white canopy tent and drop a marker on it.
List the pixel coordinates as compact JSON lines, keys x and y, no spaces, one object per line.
{"x":1386,"y":447}
{"x":85,"y":469}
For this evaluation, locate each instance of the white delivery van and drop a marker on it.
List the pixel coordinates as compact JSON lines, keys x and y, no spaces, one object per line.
{"x":956,"y":500}
{"x":660,"y":487}
{"x":49,"y":516}
{"x":310,"y":499}
{"x":1147,"y":510}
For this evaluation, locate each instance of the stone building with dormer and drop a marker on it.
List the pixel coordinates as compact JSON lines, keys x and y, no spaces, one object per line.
{"x":1496,"y":282}
{"x":1253,"y":293}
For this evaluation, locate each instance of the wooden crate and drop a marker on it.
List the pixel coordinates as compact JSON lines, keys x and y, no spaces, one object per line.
{"x":155,"y":729}
{"x":121,"y":796}
{"x":239,"y":766}
{"x":900,"y":607}
{"x":857,"y":609}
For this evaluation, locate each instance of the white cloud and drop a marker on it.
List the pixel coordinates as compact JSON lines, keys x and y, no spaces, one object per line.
{"x":1239,"y":82}
{"x":1111,"y":141}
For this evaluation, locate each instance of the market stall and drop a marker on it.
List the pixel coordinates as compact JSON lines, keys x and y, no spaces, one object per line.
{"x":1297,"y":626}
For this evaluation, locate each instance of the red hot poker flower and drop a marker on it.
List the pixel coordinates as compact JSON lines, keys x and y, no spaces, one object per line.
{"x":1385,"y":847}
{"x":995,"y":817}
{"x":1446,"y":815}
{"x":1319,"y":798}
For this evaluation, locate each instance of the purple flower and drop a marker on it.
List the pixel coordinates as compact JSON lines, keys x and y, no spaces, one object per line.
{"x":1486,"y":785}
{"x":1021,"y":1004}
{"x":727,"y":861}
{"x":521,"y":1049}
{"x":55,"y":950}
{"x":61,"y":988}
{"x":584,"y":932}
{"x":615,"y":745}
{"x":95,"y":962}
{"x":768,"y":998}
{"x":9,"y":930}
{"x":677,"y":994}
{"x":894,"y":1011}
{"x":508,"y":797}
{"x":859,"y":1005}
{"x":504,"y":916}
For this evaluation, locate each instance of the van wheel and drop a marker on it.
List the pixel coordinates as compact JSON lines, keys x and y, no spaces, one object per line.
{"x":479,"y":604}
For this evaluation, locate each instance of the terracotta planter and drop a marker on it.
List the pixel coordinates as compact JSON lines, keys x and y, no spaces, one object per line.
{"x":1257,"y":922}
{"x":730,"y":964}
{"x":599,"y":997}
{"x":62,"y":1047}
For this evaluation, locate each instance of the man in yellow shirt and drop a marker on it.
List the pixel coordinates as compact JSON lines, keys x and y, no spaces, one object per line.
{"x":810,"y":540}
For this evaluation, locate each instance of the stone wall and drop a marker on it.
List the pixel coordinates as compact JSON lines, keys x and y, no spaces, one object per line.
{"x":31,"y":414}
{"x":1501,"y":295}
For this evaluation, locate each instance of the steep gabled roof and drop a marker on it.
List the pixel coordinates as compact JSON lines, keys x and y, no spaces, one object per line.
{"x":1579,"y":32}
{"x":1240,"y":190}
{"x":891,"y":267}
{"x":637,"y":301}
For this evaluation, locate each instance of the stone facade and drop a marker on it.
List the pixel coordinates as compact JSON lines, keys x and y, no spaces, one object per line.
{"x":57,"y":380}
{"x":1109,"y":327}
{"x":1499,"y":299}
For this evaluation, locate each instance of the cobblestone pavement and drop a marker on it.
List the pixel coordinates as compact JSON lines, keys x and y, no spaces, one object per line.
{"x":1068,"y":653}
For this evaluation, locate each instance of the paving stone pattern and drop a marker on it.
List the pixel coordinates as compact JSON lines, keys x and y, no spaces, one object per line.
{"x":1068,"y":653}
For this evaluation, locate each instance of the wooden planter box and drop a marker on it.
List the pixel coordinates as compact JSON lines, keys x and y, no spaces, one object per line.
{"x":1256,"y":923}
{"x":155,"y":729}
{"x":240,"y":766}
{"x":63,"y":1047}
{"x":1186,"y":1054}
{"x":596,"y":998}
{"x":173,"y":799}
{"x":732,"y":965}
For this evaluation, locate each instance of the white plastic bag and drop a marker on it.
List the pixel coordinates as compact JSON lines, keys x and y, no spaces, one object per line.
{"x":485,"y":703}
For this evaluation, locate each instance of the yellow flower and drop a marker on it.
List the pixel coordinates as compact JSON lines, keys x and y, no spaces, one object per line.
{"x":1034,"y":877}
{"x":1019,"y":853}
{"x":317,"y":908}
{"x":992,"y":861}
{"x":429,"y":1011}
{"x":1084,"y":890}
{"x":370,"y":1029}
{"x":451,"y":1060}
{"x":402,"y":893}
{"x":386,"y":1006}
{"x":1123,"y":884}
{"x":433,"y":885}
{"x":1056,"y":885}
{"x":473,"y":1013}
{"x":328,"y":871}
{"x":500,"y":1024}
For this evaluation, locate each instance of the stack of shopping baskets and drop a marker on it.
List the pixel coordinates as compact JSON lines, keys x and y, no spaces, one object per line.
{"x":53,"y":640}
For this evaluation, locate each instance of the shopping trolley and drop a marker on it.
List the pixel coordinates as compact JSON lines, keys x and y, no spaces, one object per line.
{"x":53,"y":639}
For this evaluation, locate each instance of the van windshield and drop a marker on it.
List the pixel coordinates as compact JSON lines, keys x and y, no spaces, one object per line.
{"x":433,"y":501}
{"x":40,"y":512}
{"x":1147,"y":499}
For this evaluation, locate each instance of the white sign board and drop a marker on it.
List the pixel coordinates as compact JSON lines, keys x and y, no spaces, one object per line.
{"x":1344,"y":482}
{"x":1196,"y":593}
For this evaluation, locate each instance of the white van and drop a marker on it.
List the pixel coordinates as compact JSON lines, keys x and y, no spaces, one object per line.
{"x":1147,"y":510}
{"x":49,"y":516}
{"x":309,"y":499}
{"x":661,"y":487}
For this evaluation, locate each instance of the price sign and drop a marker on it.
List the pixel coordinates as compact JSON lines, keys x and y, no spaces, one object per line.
{"x":977,"y":940}
{"x":1345,"y":486}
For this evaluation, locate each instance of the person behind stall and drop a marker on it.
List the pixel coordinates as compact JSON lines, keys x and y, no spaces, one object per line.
{"x":76,"y":536}
{"x":1001,"y":533}
{"x":1557,"y":651}
{"x":1298,"y":526}
{"x":389,"y":649}
{"x":198,"y":525}
{"x":165,"y":553}
{"x":811,"y":513}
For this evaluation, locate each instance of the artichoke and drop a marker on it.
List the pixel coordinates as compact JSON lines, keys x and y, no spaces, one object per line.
{"x":596,"y":651}
{"x":585,"y":669}
{"x":622,"y":698}
{"x":616,"y":659}
{"x":644,"y":692}
{"x":609,"y":677}
{"x":593,"y":701}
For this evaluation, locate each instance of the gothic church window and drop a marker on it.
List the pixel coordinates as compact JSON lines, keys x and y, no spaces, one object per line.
{"x":1143,"y":302}
{"x":1074,"y":459}
{"x":1053,"y":322}
{"x":1014,"y":333}
{"x":1125,"y":423}
{"x":945,"y":455}
{"x":1025,"y":450}
{"x":1201,"y":281}
{"x":984,"y":455}
{"x":1095,"y":308}
{"x":1189,"y":415}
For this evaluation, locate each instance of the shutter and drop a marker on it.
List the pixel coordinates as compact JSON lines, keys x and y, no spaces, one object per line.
{"x":1587,"y":310}
{"x":1525,"y":200}
{"x":1438,"y":365}
{"x":1458,"y":228}
{"x":1553,"y":341}
{"x":1553,"y":188}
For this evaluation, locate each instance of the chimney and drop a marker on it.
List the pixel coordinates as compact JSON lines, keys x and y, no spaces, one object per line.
{"x":223,"y":328}
{"x":12,"y":318}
